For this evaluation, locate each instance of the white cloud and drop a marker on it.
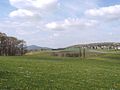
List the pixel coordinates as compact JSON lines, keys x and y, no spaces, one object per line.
{"x":20,"y":27}
{"x":31,"y":4}
{"x":111,"y":12}
{"x":71,"y":24}
{"x":52,"y":25}
{"x":31,"y":7}
{"x":21,"y":13}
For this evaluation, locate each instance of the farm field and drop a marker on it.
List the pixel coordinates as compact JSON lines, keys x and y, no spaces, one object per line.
{"x":40,"y":71}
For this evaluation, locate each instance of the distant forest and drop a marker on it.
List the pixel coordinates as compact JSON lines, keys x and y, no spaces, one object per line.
{"x":11,"y":46}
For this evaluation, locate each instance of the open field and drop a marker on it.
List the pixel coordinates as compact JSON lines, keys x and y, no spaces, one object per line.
{"x":39,"y":71}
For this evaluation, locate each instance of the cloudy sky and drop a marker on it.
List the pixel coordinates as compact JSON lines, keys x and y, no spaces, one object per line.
{"x":60,"y":23}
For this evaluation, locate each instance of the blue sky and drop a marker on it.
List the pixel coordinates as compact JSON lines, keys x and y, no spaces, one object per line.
{"x":108,"y":2}
{"x":60,"y":23}
{"x":5,"y":8}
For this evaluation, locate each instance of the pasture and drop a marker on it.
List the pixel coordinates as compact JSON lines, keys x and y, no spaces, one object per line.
{"x":40,"y":71}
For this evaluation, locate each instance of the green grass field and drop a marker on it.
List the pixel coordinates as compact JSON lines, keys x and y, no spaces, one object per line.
{"x":39,"y":71}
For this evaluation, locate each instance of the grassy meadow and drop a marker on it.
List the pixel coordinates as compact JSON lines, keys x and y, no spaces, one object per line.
{"x":40,"y":71}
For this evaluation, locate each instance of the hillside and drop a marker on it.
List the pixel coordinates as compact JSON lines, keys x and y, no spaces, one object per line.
{"x":102,"y":44}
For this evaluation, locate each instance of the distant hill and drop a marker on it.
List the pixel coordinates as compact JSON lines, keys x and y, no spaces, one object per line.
{"x":35,"y":47}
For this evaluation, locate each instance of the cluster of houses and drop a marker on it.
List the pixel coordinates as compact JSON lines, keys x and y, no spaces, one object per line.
{"x":106,"y":45}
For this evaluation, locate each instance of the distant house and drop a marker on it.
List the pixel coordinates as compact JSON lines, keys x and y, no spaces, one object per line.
{"x":119,"y":47}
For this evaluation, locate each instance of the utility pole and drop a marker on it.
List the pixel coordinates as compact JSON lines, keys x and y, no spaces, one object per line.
{"x":80,"y":53}
{"x":84,"y":53}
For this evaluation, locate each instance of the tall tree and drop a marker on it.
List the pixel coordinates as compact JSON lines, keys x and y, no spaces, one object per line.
{"x":11,"y":46}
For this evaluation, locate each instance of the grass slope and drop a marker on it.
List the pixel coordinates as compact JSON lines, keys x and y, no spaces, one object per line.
{"x":39,"y":71}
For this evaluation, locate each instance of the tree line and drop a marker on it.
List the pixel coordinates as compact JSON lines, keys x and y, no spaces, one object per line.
{"x":11,"y":46}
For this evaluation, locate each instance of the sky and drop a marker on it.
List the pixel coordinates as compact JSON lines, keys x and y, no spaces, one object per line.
{"x":61,"y":23}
